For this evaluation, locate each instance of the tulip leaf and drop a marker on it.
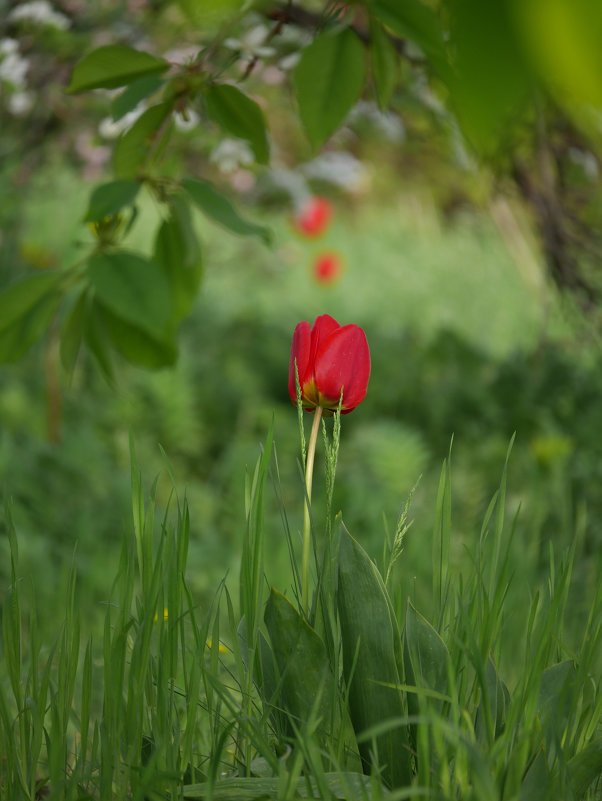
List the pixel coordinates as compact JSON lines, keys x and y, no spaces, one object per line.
{"x":538,"y":781}
{"x":426,"y":653}
{"x":240,"y":116}
{"x":555,"y":698}
{"x":132,"y":148}
{"x":370,"y":662}
{"x":108,"y":199}
{"x":132,"y":287}
{"x":585,"y":767}
{"x":329,"y":79}
{"x":306,"y":680}
{"x":220,"y":209}
{"x":498,"y":700}
{"x":111,"y":66}
{"x":178,"y":252}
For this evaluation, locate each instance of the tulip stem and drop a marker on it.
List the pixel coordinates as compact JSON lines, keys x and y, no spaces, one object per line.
{"x":309,"y":471}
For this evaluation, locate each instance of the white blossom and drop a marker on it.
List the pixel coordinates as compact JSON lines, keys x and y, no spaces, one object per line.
{"x":40,"y":12}
{"x":250,"y":44}
{"x":186,"y":121}
{"x":13,"y":67}
{"x":111,"y":129}
{"x":20,"y":103}
{"x":231,"y":154}
{"x":338,"y":168}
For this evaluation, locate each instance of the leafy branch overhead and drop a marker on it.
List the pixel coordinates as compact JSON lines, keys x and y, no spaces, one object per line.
{"x":484,"y":68}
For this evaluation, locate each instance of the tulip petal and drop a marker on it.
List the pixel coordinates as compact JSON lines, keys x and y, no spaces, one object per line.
{"x":323,"y":327}
{"x":300,"y":351}
{"x":343,"y":361}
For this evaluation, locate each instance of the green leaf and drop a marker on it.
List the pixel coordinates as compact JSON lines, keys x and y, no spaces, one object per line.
{"x":132,"y":148}
{"x":498,"y":699}
{"x":108,"y":199}
{"x":72,"y":332}
{"x":329,"y":79}
{"x":178,"y":251}
{"x":240,"y":116}
{"x":113,"y":65}
{"x":585,"y":767}
{"x":136,"y":344}
{"x":26,"y":311}
{"x":555,"y":699}
{"x":563,"y":38}
{"x":414,"y":20}
{"x":427,"y":654}
{"x":135,"y":92}
{"x":426,"y":658}
{"x":302,"y":662}
{"x":220,"y":209}
{"x":133,"y":288}
{"x":370,"y":640}
{"x":538,"y":781}
{"x":18,"y":298}
{"x":384,"y":64}
{"x":95,"y":338}
{"x":492,"y":80}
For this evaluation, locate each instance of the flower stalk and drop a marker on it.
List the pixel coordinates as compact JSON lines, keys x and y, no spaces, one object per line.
{"x":309,"y":471}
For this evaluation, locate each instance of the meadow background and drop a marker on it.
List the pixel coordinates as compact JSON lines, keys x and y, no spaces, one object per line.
{"x":470,"y":340}
{"x":461,"y":346}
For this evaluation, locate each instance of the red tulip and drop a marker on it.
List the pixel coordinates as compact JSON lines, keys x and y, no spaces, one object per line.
{"x":329,"y":357}
{"x":327,"y":267}
{"x":314,"y":217}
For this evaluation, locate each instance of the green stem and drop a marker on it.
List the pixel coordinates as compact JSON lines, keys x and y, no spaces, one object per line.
{"x":309,"y":471}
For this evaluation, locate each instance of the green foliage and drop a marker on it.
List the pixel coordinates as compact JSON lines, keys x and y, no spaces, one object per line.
{"x":370,"y":641}
{"x":162,"y":706}
{"x":238,"y":115}
{"x":135,"y":146}
{"x":419,"y":23}
{"x":133,"y":288}
{"x":219,"y":209}
{"x":113,"y":65}
{"x":27,"y":308}
{"x":108,"y":199}
{"x":328,"y":81}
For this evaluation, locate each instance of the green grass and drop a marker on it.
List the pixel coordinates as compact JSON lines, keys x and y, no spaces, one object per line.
{"x":359,"y":697}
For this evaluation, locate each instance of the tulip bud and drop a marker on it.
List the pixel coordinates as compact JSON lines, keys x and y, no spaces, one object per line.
{"x":328,"y":358}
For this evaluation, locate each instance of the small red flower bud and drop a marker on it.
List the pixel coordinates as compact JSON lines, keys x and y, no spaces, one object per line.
{"x":313,"y":217}
{"x":327,"y":267}
{"x":329,"y":357}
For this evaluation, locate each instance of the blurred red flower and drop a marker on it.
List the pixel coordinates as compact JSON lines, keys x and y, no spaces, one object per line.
{"x":313,"y":217}
{"x":329,"y":357}
{"x":327,"y":267}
